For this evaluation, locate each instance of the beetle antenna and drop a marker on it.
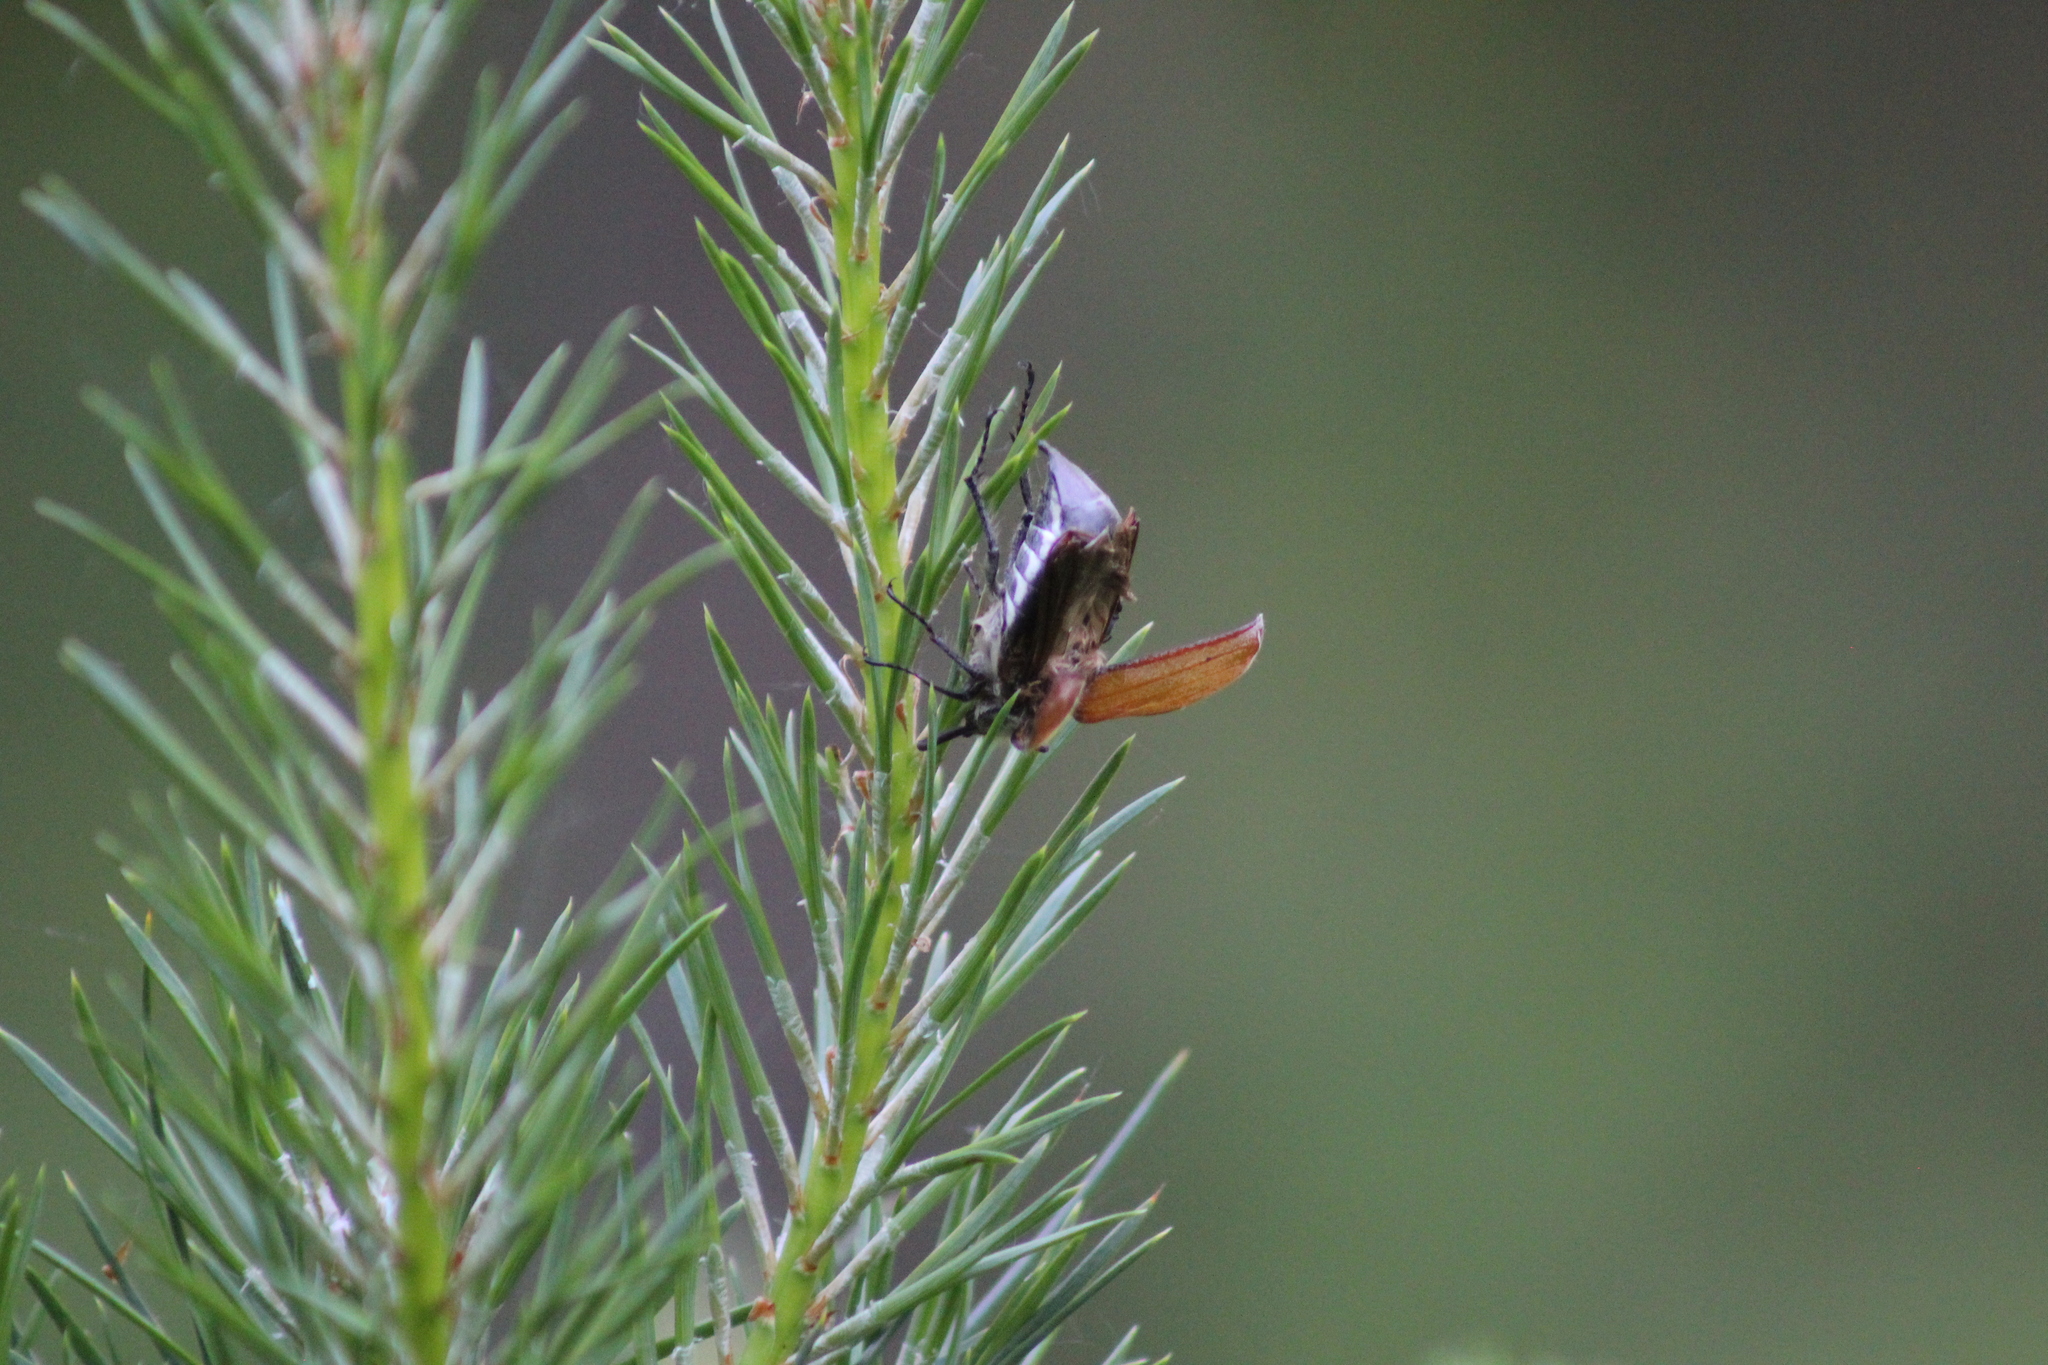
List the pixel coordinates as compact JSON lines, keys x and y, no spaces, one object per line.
{"x":937,"y":639}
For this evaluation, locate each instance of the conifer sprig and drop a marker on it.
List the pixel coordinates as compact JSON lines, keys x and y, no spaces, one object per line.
{"x":908,"y":958}
{"x":355,"y":1145}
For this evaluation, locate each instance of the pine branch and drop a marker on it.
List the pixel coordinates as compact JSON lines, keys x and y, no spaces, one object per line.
{"x":1014,"y":1256}
{"x":363,"y":1155}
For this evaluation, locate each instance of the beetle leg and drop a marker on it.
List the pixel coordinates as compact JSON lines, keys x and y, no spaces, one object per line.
{"x":1024,"y":404}
{"x":973,"y":482}
{"x":1032,"y":514}
{"x":964,"y":730}
{"x":936,"y":638}
{"x":988,"y":530}
{"x":1024,"y":476}
{"x":900,"y":668}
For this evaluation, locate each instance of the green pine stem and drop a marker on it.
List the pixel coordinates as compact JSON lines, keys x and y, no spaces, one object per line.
{"x":398,"y":817}
{"x":345,"y":1114}
{"x":397,"y":863}
{"x":802,"y":1267}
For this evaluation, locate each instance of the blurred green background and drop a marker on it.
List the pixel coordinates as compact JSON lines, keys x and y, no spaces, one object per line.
{"x":1609,"y":922}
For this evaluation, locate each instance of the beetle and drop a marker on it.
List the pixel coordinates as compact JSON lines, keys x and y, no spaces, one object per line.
{"x":1037,"y":645}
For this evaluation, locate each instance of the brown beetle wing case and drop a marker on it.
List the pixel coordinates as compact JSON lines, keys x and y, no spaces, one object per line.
{"x":1159,"y":683}
{"x":1071,"y":605}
